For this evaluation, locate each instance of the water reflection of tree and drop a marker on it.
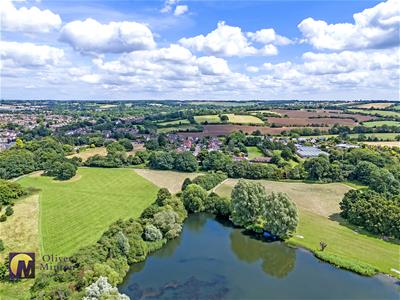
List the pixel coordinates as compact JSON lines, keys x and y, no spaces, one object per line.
{"x":169,"y":248}
{"x":196,"y":222}
{"x":278,"y":260}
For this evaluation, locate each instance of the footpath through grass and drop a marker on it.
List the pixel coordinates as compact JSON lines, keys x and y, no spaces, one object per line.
{"x":75,"y":213}
{"x":318,"y":206}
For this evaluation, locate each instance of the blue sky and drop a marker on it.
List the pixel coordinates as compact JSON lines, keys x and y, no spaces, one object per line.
{"x":176,"y":49}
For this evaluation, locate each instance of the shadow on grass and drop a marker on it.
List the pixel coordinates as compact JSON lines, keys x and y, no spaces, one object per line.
{"x":360,"y":230}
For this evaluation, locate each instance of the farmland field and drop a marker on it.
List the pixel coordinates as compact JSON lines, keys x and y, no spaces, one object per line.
{"x":374,"y":105}
{"x":176,"y":122}
{"x":254,"y":152}
{"x":396,"y":107}
{"x":381,"y":123}
{"x":387,"y":144}
{"x":224,"y":129}
{"x":244,"y":119}
{"x":75,"y":213}
{"x":236,"y":119}
{"x":166,"y":179}
{"x":384,"y":113}
{"x":187,"y":127}
{"x":318,"y":206}
{"x":311,"y":121}
{"x":208,"y":119}
{"x":321,"y":113}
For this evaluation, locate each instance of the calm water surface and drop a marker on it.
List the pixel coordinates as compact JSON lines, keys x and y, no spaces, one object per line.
{"x":215,"y":261}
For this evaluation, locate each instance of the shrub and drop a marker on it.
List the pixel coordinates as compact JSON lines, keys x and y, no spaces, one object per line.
{"x":152,"y":233}
{"x":9,"y":211}
{"x":149,"y":211}
{"x":165,"y":220}
{"x":1,"y":245}
{"x":162,"y":195}
{"x":185,"y":183}
{"x":193,"y":198}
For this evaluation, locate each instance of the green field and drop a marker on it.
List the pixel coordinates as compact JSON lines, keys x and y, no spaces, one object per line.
{"x":254,"y":152}
{"x":176,"y":122}
{"x":381,"y":123}
{"x":318,"y":206}
{"x":384,"y":113}
{"x":396,"y":107}
{"x":211,"y":119}
{"x":75,"y":213}
{"x":244,"y":119}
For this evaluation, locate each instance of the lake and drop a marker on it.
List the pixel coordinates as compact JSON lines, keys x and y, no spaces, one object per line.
{"x":212,"y":260}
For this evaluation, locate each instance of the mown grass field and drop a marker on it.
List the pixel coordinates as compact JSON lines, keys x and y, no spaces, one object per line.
{"x":386,"y":144}
{"x":254,"y":152}
{"x":381,"y":123}
{"x":384,"y":113}
{"x":166,"y":179}
{"x":20,"y":233}
{"x":318,"y":206}
{"x":75,"y":213}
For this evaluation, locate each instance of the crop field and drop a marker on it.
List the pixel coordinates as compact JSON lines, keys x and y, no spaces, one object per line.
{"x":222,"y":103}
{"x":384,"y":113}
{"x":176,"y":122}
{"x":254,"y":152}
{"x":396,"y":107}
{"x":386,"y":144}
{"x":318,"y":206}
{"x":75,"y":213}
{"x":85,"y":154}
{"x":269,"y":112}
{"x":321,"y":113}
{"x":374,"y":105}
{"x":381,"y":123}
{"x":311,"y":121}
{"x":166,"y":179}
{"x":224,"y":129}
{"x":236,"y":119}
{"x":244,"y":119}
{"x":20,"y":233}
{"x":178,"y":128}
{"x":207,"y":118}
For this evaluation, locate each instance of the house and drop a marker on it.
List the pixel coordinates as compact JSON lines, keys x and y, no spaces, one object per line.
{"x":307,"y":151}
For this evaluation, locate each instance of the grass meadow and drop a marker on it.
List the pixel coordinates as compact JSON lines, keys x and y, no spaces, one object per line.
{"x":384,"y":113}
{"x":75,"y":213}
{"x":318,"y":206}
{"x":254,"y":152}
{"x":381,"y":123}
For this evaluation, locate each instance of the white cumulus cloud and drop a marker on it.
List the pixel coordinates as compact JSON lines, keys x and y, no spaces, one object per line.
{"x":376,"y":27}
{"x":180,"y":10}
{"x":211,"y":65}
{"x":230,"y":41}
{"x":28,"y":55}
{"x":28,"y":20}
{"x":115,"y":37}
